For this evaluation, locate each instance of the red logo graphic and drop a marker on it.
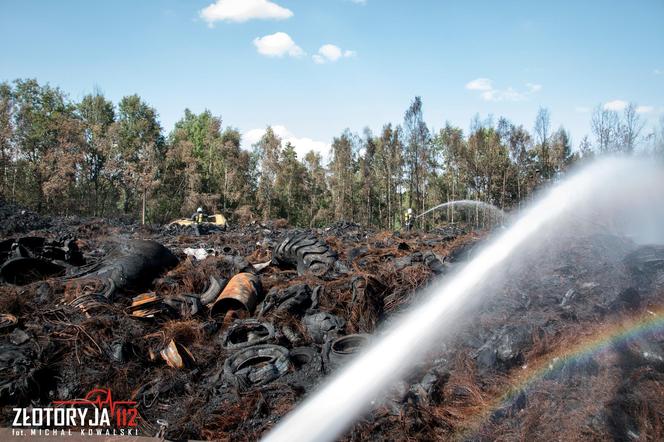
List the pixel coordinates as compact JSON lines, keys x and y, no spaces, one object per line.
{"x":124,"y":412}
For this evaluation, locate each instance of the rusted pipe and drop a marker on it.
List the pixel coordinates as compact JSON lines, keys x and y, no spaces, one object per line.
{"x":241,"y":293}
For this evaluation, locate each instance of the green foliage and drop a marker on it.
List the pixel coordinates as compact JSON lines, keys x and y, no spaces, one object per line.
{"x":93,"y":158}
{"x":46,"y":133}
{"x":97,"y":116}
{"x":342,"y":168}
{"x":290,"y":187}
{"x":6,"y":142}
{"x":139,"y":150}
{"x":268,"y":150}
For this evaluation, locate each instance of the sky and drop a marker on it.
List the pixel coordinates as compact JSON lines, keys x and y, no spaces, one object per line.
{"x":312,"y":68}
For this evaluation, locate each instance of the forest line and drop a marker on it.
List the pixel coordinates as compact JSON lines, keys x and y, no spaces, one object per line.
{"x":95,"y":158}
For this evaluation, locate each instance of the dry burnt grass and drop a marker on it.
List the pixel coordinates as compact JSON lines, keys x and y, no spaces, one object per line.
{"x":542,"y":358}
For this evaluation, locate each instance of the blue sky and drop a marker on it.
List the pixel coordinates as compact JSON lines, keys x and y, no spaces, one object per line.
{"x":260,"y":62}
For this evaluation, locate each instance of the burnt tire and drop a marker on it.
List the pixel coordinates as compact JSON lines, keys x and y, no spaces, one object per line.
{"x":323,"y":326}
{"x":305,"y":357}
{"x":246,"y":333}
{"x":257,"y":365}
{"x":345,"y":348}
{"x":306,"y":253}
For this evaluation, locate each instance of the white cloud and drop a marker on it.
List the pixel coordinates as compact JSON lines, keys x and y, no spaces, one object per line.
{"x":615,"y":105}
{"x":359,"y":2}
{"x":480,"y":84}
{"x":644,"y":109}
{"x":532,"y":87}
{"x":489,"y":93}
{"x":508,"y":94}
{"x":252,"y":136}
{"x":658,"y":72}
{"x":244,"y":10}
{"x":302,"y":144}
{"x":277,"y":45}
{"x":331,"y":53}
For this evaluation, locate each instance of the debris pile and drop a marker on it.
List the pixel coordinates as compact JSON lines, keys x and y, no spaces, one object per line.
{"x":219,"y":336}
{"x":14,"y":219}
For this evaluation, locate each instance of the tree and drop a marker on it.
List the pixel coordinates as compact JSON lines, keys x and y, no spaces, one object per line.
{"x":140,"y":150}
{"x":658,"y":139}
{"x":6,"y":137}
{"x":203,"y":131}
{"x":450,"y":150}
{"x":561,"y":151}
{"x":236,"y":175}
{"x":394,"y":159}
{"x":388,"y":173}
{"x":630,"y":129}
{"x":520,"y":142}
{"x":605,"y":128}
{"x":97,"y":116}
{"x":342,"y":169}
{"x":542,"y":130}
{"x":268,"y":149}
{"x":367,"y":177}
{"x":586,"y":149}
{"x":182,"y":179}
{"x":318,"y":194}
{"x":488,"y":161}
{"x":47,"y":137}
{"x":417,"y":139}
{"x":290,"y":187}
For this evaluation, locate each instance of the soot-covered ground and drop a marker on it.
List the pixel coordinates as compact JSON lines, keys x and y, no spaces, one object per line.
{"x":566,"y":345}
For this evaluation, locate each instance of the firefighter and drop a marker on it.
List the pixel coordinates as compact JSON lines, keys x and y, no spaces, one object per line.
{"x":198,"y":217}
{"x":408,"y":218}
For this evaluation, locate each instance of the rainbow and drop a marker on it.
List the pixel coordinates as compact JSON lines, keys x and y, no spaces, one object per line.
{"x":600,"y":339}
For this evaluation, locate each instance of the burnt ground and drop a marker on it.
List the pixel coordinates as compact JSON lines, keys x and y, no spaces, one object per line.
{"x":568,"y":345}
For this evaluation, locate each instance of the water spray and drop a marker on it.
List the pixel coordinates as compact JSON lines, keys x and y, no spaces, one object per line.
{"x":465,"y":203}
{"x":331,"y":410}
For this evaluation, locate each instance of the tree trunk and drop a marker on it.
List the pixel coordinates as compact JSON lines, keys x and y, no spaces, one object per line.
{"x":225,"y":187}
{"x":477,"y":211}
{"x":389,"y":201}
{"x":143,"y":211}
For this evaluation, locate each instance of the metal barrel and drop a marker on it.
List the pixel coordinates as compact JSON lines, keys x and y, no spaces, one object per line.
{"x":241,"y":293}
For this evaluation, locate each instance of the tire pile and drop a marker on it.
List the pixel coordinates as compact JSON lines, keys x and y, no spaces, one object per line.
{"x":224,"y":346}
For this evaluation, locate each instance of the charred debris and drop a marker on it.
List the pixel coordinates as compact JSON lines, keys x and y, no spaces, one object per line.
{"x":220,"y":335}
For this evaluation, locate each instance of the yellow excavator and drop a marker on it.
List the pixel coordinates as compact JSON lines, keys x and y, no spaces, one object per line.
{"x":217,"y":220}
